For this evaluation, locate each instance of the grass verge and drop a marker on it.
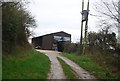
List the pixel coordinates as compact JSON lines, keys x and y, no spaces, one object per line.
{"x":28,"y":64}
{"x":92,"y":66}
{"x":67,"y":69}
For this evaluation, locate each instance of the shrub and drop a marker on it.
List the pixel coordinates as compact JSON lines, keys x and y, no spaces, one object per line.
{"x":70,"y":47}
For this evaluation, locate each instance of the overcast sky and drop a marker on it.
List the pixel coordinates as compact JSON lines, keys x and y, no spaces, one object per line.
{"x":60,"y":15}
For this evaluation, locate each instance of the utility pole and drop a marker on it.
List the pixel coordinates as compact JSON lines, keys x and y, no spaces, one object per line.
{"x":119,"y":22}
{"x":81,"y":38}
{"x":85,"y":14}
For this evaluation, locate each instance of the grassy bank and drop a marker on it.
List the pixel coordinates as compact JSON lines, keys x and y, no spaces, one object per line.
{"x":67,"y":69}
{"x":28,"y":64}
{"x":92,"y":66}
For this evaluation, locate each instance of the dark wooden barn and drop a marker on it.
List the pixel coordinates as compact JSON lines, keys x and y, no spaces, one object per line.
{"x":53,"y":41}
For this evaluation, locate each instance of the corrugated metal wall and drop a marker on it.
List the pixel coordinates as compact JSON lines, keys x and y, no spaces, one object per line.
{"x":47,"y":41}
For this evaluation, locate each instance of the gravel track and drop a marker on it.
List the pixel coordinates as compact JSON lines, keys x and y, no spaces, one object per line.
{"x":57,"y":71}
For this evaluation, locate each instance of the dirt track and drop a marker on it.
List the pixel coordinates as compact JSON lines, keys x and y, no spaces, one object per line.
{"x":56,"y":68}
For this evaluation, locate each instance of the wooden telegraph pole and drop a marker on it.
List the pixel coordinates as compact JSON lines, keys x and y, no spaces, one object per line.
{"x":119,"y":22}
{"x":81,"y":38}
{"x":85,"y":14}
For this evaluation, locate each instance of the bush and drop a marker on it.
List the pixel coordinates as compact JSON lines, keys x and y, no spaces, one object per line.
{"x":70,"y":47}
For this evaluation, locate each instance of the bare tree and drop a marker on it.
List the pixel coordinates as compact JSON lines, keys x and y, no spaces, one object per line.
{"x":119,"y":23}
{"x":108,"y":12}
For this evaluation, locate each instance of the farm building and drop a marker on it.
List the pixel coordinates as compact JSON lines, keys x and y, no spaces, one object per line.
{"x":53,"y":41}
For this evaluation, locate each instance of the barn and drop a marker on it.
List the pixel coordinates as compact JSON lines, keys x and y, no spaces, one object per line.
{"x":52,"y":41}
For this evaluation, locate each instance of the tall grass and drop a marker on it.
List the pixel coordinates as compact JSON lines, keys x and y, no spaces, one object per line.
{"x":93,"y":66}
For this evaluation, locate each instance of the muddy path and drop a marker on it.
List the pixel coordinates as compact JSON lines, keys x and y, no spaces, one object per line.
{"x":56,"y":68}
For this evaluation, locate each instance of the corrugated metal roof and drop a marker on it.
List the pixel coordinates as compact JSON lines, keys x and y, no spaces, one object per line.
{"x":53,"y":33}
